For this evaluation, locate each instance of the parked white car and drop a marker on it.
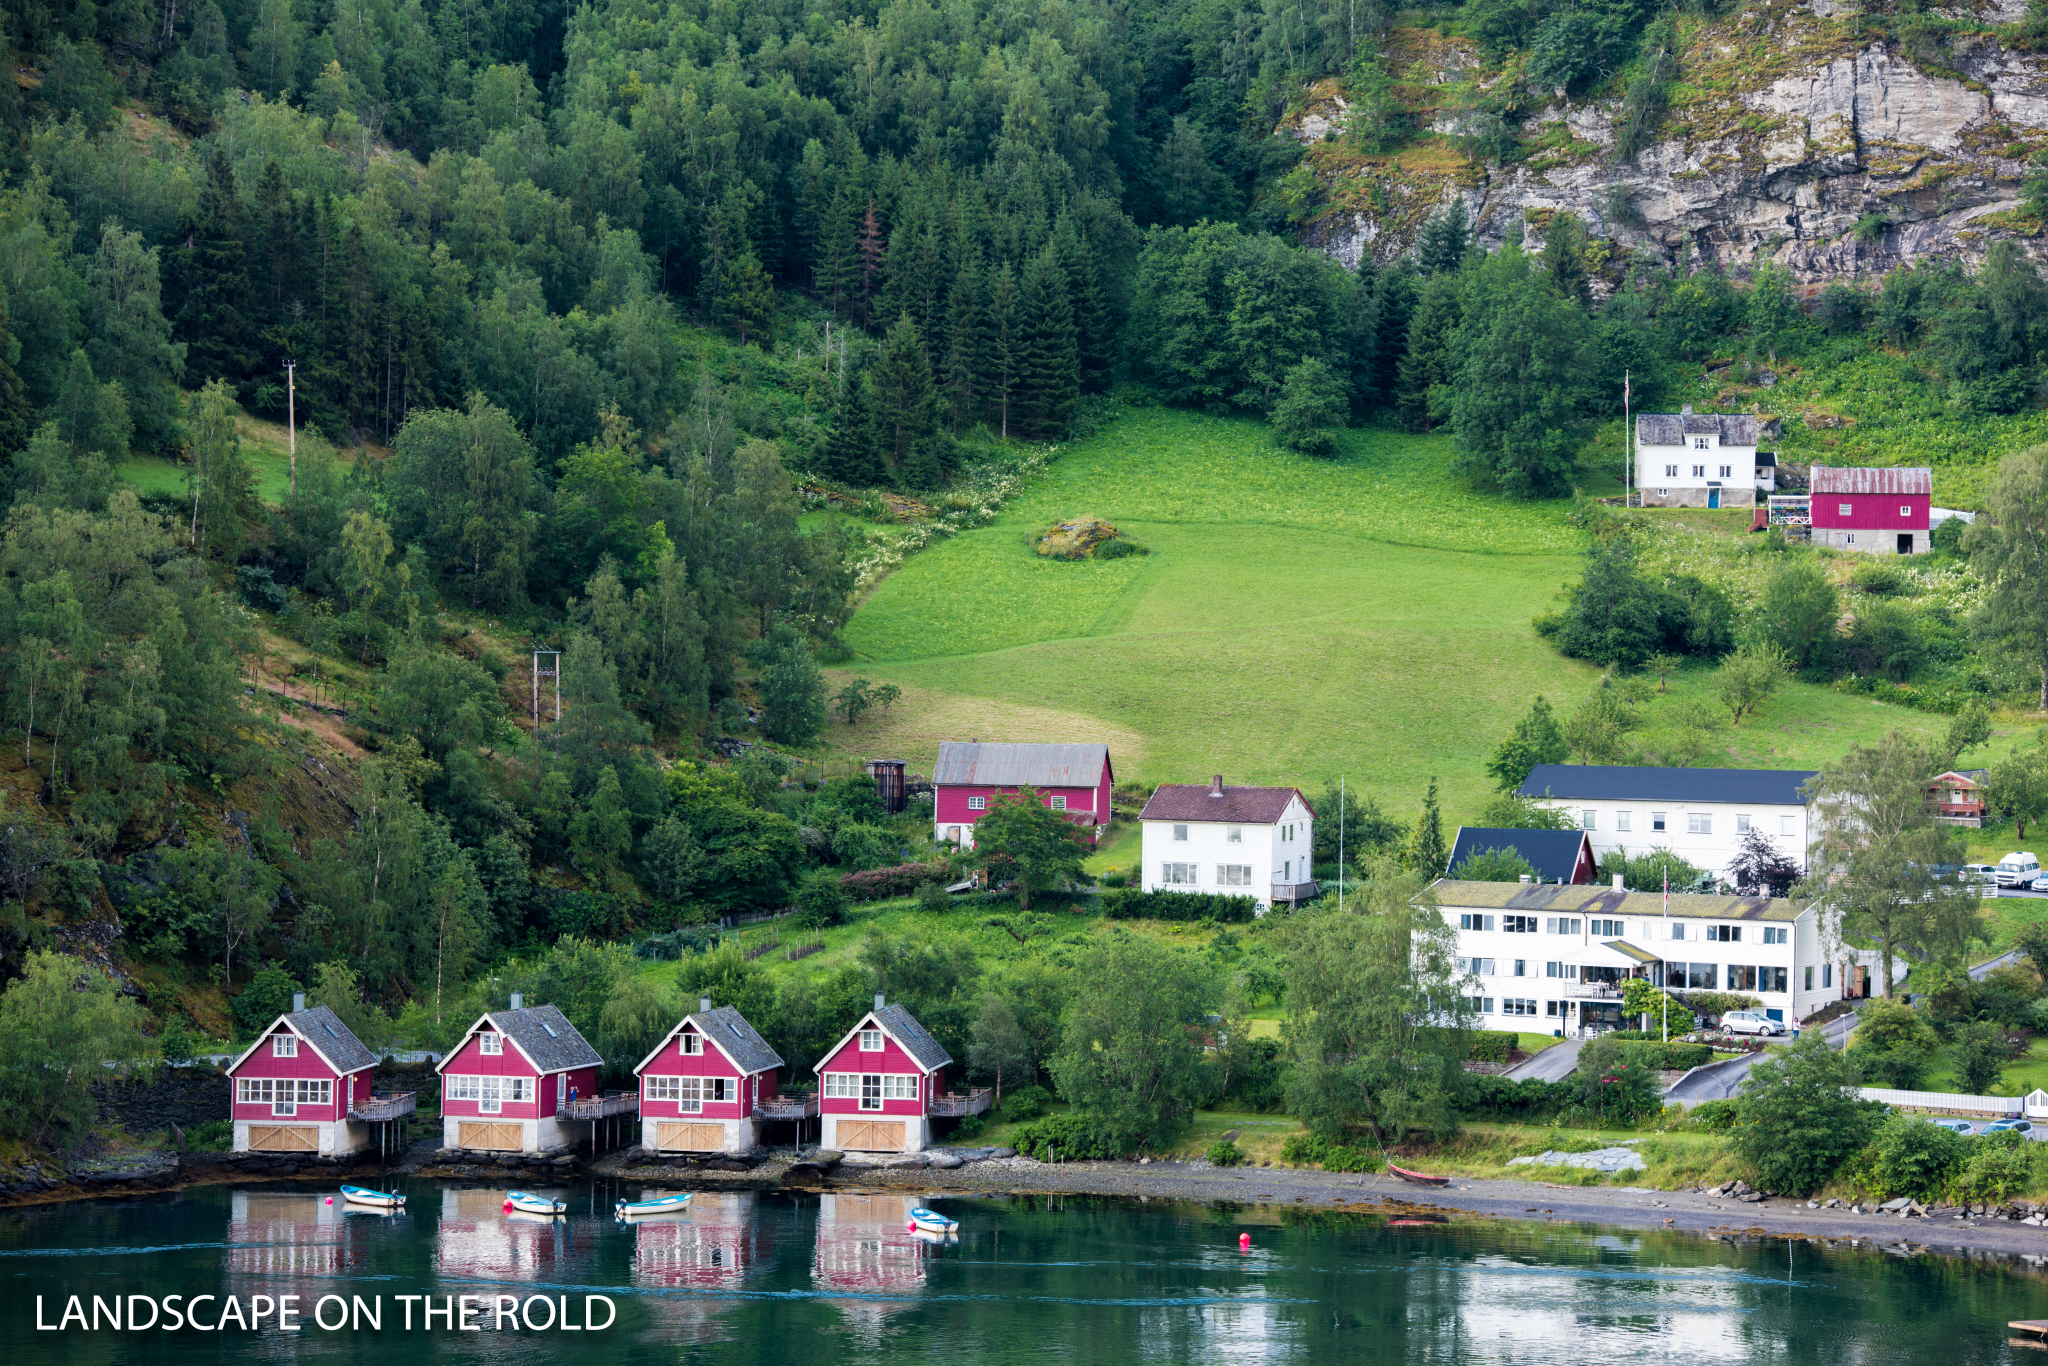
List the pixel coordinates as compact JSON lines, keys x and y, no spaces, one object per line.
{"x":2017,"y":870}
{"x":1750,"y":1022}
{"x":1984,"y":874}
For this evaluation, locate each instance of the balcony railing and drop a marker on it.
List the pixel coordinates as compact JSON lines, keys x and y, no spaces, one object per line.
{"x":961,"y":1102}
{"x":1593,"y":991}
{"x":603,"y":1107}
{"x":1295,"y":893}
{"x":800,"y":1105}
{"x":375,"y":1109}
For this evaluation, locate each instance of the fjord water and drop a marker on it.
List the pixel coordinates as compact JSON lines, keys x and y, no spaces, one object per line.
{"x":829,"y":1279}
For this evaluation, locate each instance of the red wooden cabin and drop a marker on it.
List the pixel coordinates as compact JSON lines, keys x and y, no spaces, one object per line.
{"x":882,"y":1085}
{"x":1877,"y":511}
{"x":295,"y":1086}
{"x":507,"y":1086}
{"x":970,"y":776}
{"x":702,"y":1087}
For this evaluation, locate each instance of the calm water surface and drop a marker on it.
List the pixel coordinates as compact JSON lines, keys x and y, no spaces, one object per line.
{"x":796,"y":1280}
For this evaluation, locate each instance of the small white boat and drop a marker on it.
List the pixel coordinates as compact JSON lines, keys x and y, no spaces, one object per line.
{"x":362,"y":1195}
{"x":660,"y":1204}
{"x":931,"y":1221}
{"x":525,"y":1202}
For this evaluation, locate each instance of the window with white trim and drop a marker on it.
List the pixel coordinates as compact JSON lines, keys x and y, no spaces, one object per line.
{"x":977,"y":803}
{"x":1177,"y":874}
{"x":1776,"y":934}
{"x":1621,"y":821}
{"x":1180,"y":834}
{"x":1905,"y":512}
{"x":489,"y":1044}
{"x":1233,"y":875}
{"x":1482,"y":1004}
{"x":1233,"y":834}
{"x":1742,"y":822}
{"x":664,"y":1088}
{"x":1699,"y":823}
{"x":871,"y":1041}
{"x":1057,"y":803}
{"x":1589,"y":819}
{"x":1699,"y":471}
{"x":1512,"y":1006}
{"x":1656,"y":820}
{"x":1785,"y":825}
{"x":284,"y":1046}
{"x":870,"y":1091}
{"x":1699,"y":443}
{"x":460,"y":1088}
{"x":842,"y":1085}
{"x":1842,"y":510}
{"x":285,"y":1094}
{"x":1727,"y":471}
{"x":693,"y":1043}
{"x":896,"y":1087}
{"x":1478,"y":967}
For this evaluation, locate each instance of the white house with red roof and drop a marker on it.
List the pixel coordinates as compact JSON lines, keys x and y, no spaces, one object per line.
{"x":882,"y":1084}
{"x":507,"y":1085}
{"x":1230,"y":841}
{"x":296,"y":1085}
{"x":702,"y":1088}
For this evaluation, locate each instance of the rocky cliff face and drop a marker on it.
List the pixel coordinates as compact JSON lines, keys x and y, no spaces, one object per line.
{"x":1781,"y":138}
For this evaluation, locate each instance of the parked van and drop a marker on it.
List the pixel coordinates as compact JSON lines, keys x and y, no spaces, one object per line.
{"x":2017,"y":870}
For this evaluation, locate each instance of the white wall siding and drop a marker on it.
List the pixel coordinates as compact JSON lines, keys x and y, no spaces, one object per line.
{"x":1711,"y":851}
{"x":1260,"y":847}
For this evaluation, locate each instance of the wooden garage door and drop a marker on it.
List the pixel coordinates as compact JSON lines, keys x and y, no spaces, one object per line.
{"x":283,"y":1138}
{"x":504,"y":1138}
{"x":670,"y":1136}
{"x":871,"y":1135}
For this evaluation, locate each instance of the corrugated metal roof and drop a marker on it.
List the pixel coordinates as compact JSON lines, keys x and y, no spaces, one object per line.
{"x":1620,"y":782}
{"x":968,"y":763}
{"x":1605,"y":901}
{"x":1554,"y":854}
{"x":1235,"y":805}
{"x":1905,"y":479}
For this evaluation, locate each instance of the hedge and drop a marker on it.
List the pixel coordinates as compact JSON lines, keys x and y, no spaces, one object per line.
{"x":1306,"y":1149}
{"x":1668,"y":1057}
{"x":1493,"y":1045}
{"x":1073,"y":1138}
{"x":1134,"y":903}
{"x":1491,"y":1097}
{"x":879,"y":884}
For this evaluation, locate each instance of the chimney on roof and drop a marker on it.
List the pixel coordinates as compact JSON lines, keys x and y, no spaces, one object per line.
{"x":1525,"y":879}
{"x":518,"y":1001}
{"x":1617,"y":883}
{"x":298,"y":1001}
{"x":879,"y":1002}
{"x":704,"y":1004}
{"x":1217,"y":790}
{"x":1686,"y":411}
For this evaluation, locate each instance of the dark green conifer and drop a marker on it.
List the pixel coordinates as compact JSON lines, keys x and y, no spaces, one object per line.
{"x":1051,"y":359}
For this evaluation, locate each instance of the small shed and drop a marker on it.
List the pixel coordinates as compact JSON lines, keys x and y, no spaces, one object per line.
{"x":295,"y":1086}
{"x":702,"y":1088}
{"x":507,"y":1086}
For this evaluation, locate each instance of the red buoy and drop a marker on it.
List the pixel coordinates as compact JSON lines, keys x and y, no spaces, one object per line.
{"x":1244,"y":1242}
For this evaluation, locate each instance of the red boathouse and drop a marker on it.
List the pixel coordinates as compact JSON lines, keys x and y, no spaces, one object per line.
{"x":705,"y":1087}
{"x":881,"y":1086}
{"x":295,"y":1087}
{"x":507,"y":1086}
{"x":969,"y":776}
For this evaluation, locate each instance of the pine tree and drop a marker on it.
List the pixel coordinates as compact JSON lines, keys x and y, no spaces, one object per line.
{"x":903,"y":396}
{"x":1003,"y":355}
{"x":17,"y":414}
{"x":277,"y":257}
{"x":1564,"y":259}
{"x":1429,"y":359}
{"x":869,"y":255}
{"x":838,"y":266}
{"x":1092,"y":341}
{"x":851,"y":455}
{"x":359,"y":341}
{"x":1426,"y":853}
{"x":213,"y":318}
{"x":1445,"y":235}
{"x":967,"y":326}
{"x":1051,"y":360}
{"x":813,"y":217}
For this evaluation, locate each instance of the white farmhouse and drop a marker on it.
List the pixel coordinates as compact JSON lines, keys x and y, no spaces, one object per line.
{"x":1700,"y":814}
{"x":1543,"y":958}
{"x":1229,"y":841}
{"x":1701,"y":460}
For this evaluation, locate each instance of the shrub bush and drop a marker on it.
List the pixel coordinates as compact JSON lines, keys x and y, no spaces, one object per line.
{"x":1026,"y":1103}
{"x":1999,"y":1166}
{"x":821,"y":903}
{"x":1073,"y":1138}
{"x":1304,"y":1150}
{"x":1133,"y":903}
{"x":1225,"y":1153}
{"x":214,"y":1136}
{"x":969,"y":1127}
{"x":1713,"y":1114}
{"x":1909,"y":1156}
{"x":1493,"y":1045}
{"x":1490,"y":1097}
{"x":1668,"y":1057}
{"x":879,"y":884}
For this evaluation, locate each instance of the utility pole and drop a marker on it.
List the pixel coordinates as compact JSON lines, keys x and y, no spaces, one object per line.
{"x":1340,"y":843}
{"x":291,"y":426}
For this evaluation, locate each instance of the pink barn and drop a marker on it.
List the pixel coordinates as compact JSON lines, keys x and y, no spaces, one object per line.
{"x":882,"y":1085}
{"x":702,"y":1088}
{"x":1876,"y":511}
{"x":506,"y":1086}
{"x":297,"y":1084}
{"x":969,"y":775}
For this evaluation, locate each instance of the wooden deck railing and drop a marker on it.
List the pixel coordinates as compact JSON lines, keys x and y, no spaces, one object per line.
{"x":376,"y":1109}
{"x":603,"y":1107}
{"x":797,"y":1106}
{"x":971,"y":1102}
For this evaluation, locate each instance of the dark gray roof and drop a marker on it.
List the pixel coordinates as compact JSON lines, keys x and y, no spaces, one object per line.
{"x":1769,"y":458}
{"x":545,"y":1035}
{"x":730,"y":1030}
{"x":1572,"y":782}
{"x":1671,"y":429}
{"x":969,"y":763}
{"x":332,"y":1039}
{"x":1236,"y":805}
{"x":1554,"y":854}
{"x":903,"y":1026}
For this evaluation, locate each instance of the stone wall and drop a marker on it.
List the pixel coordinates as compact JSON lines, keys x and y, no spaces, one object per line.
{"x":186,"y":1098}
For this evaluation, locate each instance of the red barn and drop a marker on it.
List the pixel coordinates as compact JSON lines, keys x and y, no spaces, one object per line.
{"x":296,"y":1085}
{"x":506,"y":1086}
{"x":969,"y":775}
{"x":701,"y":1088}
{"x":1876,"y":511}
{"x":880,"y":1087}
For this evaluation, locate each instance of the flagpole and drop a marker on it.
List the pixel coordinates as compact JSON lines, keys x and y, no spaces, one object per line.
{"x":1627,"y":456}
{"x":1340,"y":842}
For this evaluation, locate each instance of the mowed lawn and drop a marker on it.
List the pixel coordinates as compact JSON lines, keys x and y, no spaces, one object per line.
{"x":1298,"y":620}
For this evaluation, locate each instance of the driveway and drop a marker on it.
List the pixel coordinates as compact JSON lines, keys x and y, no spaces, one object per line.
{"x":1719,"y":1081}
{"x":1554,"y":1063}
{"x":1983,"y":970}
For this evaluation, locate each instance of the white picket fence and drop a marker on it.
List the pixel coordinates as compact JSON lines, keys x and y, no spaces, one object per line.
{"x":2034,"y":1104}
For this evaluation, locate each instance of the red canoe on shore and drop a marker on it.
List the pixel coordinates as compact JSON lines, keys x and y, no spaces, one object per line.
{"x":1419,"y":1178}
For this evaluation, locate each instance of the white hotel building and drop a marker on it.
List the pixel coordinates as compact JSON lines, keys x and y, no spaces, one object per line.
{"x":1700,"y":814}
{"x":1551,"y":959}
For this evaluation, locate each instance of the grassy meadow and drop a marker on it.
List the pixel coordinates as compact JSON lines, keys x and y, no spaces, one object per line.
{"x":1297,"y":620}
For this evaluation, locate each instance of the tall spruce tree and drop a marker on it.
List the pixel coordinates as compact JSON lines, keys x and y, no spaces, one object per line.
{"x":852,"y":455}
{"x":213,"y":317}
{"x":1003,"y":356}
{"x":1051,"y":357}
{"x":966,"y":327}
{"x":1445,"y":236}
{"x":904,"y":400}
{"x":1430,"y":359}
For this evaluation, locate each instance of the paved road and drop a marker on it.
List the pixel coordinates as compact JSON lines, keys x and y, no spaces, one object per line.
{"x":1983,"y":970}
{"x":1554,"y":1063}
{"x":1722,"y":1080}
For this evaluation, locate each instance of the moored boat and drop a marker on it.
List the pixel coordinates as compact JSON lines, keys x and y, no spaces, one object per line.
{"x":362,"y":1195}
{"x":931,"y":1221}
{"x":674,"y":1203}
{"x":1419,"y":1178}
{"x":525,"y":1202}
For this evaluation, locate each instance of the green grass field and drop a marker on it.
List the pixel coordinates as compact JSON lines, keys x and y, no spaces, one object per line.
{"x":263,"y":446}
{"x":1298,"y":619}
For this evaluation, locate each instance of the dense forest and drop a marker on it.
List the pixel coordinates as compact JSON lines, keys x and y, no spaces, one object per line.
{"x":577,"y":311}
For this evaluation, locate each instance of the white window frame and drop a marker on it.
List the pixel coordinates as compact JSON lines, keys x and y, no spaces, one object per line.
{"x":842,"y":1086}
{"x":490,"y":1044}
{"x":871,"y":1097}
{"x":1699,"y":822}
{"x":1233,"y":834}
{"x":977,"y":803}
{"x":1670,"y":472}
{"x":1233,"y":875}
{"x":664,"y":1088}
{"x":1589,"y":819}
{"x":1180,"y":834}
{"x":1180,"y":874}
{"x":1842,"y":509}
{"x":871,"y":1041}
{"x":284,"y":1045}
{"x":1057,"y":803}
{"x":899,"y":1086}
{"x":693,"y":1043}
{"x":1785,"y":824}
{"x":1657,"y":822}
{"x":491,"y":1095}
{"x":463,"y":1087}
{"x":1905,"y":512}
{"x":1742,"y":822}
{"x":1727,"y":471}
{"x":1621,"y":821}
{"x":1699,"y":471}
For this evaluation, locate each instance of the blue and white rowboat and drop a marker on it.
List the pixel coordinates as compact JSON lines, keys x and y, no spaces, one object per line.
{"x":931,"y":1221}
{"x":660,"y":1204}
{"x":362,"y":1195}
{"x":524,"y":1202}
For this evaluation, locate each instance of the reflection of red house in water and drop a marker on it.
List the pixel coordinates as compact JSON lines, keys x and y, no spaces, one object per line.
{"x":285,"y":1235}
{"x":477,"y":1238}
{"x":865,"y":1249}
{"x":714,"y":1244}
